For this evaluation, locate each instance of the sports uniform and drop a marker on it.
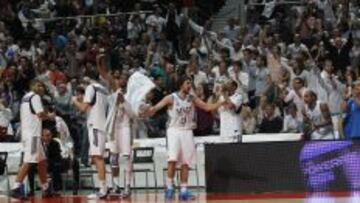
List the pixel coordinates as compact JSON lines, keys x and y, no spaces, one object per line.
{"x":31,"y":128}
{"x":118,"y":126}
{"x":180,"y":141}
{"x":96,"y":96}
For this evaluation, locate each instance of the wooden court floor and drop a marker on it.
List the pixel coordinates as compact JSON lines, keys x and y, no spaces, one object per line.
{"x":201,"y":197}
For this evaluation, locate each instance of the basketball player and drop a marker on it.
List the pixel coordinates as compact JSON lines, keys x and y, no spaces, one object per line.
{"x":31,"y":115}
{"x":318,"y":116}
{"x":94,"y":103}
{"x":181,"y":146}
{"x":230,"y":119}
{"x":118,"y":126}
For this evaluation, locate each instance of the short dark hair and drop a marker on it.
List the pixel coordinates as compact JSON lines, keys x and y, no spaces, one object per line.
{"x":300,"y":80}
{"x":312,"y":93}
{"x":50,"y":125}
{"x":238,"y":63}
{"x":234,"y":83}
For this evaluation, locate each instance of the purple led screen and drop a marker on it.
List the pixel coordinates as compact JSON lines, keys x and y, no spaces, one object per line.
{"x":283,"y":167}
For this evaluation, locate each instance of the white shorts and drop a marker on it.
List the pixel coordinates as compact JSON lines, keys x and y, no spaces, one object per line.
{"x":33,"y":150}
{"x":181,"y":146}
{"x":97,"y":140}
{"x":122,"y":142}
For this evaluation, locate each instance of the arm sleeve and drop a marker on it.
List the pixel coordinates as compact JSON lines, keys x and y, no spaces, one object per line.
{"x":37,"y":104}
{"x":89,"y":94}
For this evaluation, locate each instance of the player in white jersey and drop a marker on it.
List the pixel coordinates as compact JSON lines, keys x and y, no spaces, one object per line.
{"x":317,"y":115}
{"x":94,"y":102}
{"x":230,"y":119}
{"x":118,"y":126}
{"x":31,"y":115}
{"x":180,"y":142}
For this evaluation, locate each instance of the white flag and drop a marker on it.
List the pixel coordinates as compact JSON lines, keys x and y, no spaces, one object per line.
{"x":138,"y":87}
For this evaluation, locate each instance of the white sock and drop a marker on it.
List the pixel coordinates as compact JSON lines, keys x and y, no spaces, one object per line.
{"x":183,"y":187}
{"x":17,"y":185}
{"x":169,"y":183}
{"x":129,"y":169}
{"x":102,"y":185}
{"x":45,"y":186}
{"x":116,"y":181}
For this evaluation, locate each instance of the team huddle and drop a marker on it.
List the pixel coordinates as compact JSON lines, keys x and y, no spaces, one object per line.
{"x":109,"y":119}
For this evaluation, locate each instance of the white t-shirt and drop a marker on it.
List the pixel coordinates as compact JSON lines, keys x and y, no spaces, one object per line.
{"x":97,"y":115}
{"x":230,"y":120}
{"x":291,"y":124}
{"x":5,"y":118}
{"x":219,"y":79}
{"x":31,"y":124}
{"x":297,"y":100}
{"x":200,"y":78}
{"x":294,"y":50}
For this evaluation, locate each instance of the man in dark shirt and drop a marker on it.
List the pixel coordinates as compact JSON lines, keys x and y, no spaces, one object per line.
{"x":157,"y":124}
{"x":270,"y":122}
{"x":55,"y":162}
{"x":339,"y":52}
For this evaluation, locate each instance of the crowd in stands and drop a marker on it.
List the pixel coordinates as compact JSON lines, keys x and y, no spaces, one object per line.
{"x":283,"y":51}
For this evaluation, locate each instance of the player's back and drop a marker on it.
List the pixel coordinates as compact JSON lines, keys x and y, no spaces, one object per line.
{"x":99,"y":104}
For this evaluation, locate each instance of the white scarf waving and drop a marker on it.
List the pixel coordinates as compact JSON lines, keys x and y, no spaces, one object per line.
{"x":138,"y":87}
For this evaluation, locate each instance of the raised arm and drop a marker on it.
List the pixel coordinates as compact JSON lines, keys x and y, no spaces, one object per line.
{"x":207,"y":106}
{"x":102,"y":69}
{"x":166,"y":101}
{"x":197,"y":28}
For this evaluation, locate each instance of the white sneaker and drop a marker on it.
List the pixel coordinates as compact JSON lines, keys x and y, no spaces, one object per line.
{"x":97,"y":195}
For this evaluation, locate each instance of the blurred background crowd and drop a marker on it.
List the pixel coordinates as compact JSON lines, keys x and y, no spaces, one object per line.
{"x":282,"y":49}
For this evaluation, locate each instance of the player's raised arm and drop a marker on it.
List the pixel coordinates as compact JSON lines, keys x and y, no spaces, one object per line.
{"x":207,"y":106}
{"x":102,"y":69}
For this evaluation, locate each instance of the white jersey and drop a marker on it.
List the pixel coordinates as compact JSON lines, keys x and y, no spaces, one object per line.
{"x":316,"y":116}
{"x":96,"y":96}
{"x":230,"y":120}
{"x":31,"y":124}
{"x":182,"y":113}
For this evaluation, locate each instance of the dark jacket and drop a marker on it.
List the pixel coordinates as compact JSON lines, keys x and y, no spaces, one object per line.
{"x":271,"y":126}
{"x":339,"y":57}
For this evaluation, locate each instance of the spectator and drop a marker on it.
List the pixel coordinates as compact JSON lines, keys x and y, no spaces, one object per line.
{"x":317,"y":117}
{"x":339,"y":52}
{"x":296,"y":48}
{"x":204,"y":120}
{"x":248,"y":121}
{"x":270,"y":122}
{"x":292,"y":122}
{"x":6,"y":130}
{"x":352,"y":110}
{"x":230,"y":118}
